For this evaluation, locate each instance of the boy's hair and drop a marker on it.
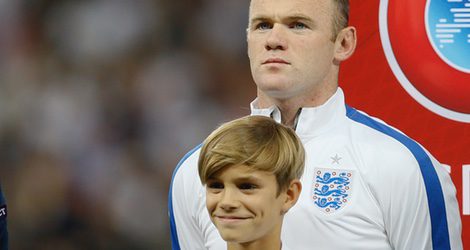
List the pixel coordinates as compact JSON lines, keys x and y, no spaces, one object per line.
{"x":257,"y":142}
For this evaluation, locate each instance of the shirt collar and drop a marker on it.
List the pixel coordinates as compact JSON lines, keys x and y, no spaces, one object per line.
{"x":312,"y":121}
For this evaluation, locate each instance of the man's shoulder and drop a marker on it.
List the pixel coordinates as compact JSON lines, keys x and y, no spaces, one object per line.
{"x":376,"y":136}
{"x":388,"y":149}
{"x":377,"y":130}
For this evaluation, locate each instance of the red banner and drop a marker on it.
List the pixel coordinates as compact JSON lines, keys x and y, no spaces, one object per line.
{"x":402,"y":76}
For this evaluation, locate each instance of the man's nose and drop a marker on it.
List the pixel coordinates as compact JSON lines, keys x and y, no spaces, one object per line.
{"x":276,"y":39}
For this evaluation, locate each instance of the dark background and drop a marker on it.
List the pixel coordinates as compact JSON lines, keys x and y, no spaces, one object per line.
{"x":98,"y":102}
{"x":99,"y":99}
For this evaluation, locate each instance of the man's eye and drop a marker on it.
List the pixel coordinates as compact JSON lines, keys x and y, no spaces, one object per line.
{"x":298,"y":26}
{"x":247,"y":186}
{"x":263,"y":26}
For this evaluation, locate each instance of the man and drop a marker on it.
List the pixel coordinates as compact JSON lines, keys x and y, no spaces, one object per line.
{"x":366,"y":185}
{"x":3,"y":223}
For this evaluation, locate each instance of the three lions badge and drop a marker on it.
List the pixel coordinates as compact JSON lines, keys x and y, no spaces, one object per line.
{"x":332,"y":189}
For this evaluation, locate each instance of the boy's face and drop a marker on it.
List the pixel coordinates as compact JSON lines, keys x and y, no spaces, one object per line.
{"x":243,"y":204}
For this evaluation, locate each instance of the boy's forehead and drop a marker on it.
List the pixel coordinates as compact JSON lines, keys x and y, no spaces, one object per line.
{"x":240,"y":172}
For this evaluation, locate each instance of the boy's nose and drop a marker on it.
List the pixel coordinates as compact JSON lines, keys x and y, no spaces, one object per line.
{"x":228,"y":200}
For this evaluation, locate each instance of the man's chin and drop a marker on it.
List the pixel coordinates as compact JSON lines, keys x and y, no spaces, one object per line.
{"x":277,"y":93}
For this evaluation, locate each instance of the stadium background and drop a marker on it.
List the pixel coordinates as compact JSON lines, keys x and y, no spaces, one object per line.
{"x":99,"y":100}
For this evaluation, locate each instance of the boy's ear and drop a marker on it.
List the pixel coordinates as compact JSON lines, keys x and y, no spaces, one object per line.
{"x":292,"y":195}
{"x":345,"y":44}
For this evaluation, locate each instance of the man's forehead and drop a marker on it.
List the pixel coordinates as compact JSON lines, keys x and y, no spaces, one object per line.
{"x":289,"y":7}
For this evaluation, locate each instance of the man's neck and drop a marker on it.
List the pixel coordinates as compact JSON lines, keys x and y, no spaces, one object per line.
{"x":289,"y":116}
{"x":290,"y":107}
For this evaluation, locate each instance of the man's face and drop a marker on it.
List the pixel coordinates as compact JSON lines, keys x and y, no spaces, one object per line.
{"x":243,"y":204}
{"x":290,"y":46}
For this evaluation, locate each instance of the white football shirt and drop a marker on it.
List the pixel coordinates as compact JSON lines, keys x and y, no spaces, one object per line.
{"x":366,"y":186}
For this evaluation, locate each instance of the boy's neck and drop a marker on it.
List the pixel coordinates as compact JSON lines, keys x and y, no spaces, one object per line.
{"x":270,"y":241}
{"x":256,"y":245}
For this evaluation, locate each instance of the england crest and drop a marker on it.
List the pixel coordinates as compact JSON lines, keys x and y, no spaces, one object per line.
{"x":331,"y":189}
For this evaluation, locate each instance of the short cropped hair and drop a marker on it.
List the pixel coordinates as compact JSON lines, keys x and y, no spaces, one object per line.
{"x":257,"y":142}
{"x":341,"y":17}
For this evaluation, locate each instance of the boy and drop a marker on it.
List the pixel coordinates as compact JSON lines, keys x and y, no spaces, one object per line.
{"x":251,"y":169}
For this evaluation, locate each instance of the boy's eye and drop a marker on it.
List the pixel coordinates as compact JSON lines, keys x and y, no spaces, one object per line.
{"x":247,"y":186}
{"x":215,"y":185}
{"x":263,"y":26}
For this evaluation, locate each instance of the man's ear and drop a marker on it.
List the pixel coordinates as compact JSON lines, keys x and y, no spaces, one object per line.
{"x":345,"y":44}
{"x":292,"y":195}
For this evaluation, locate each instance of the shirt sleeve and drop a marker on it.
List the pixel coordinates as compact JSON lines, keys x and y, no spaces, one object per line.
{"x":3,"y":223}
{"x":190,"y":224}
{"x":454,"y":222}
{"x":419,"y":202}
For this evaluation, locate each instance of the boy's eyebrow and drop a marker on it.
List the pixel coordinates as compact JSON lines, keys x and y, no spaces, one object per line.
{"x":247,"y":178}
{"x":212,"y":178}
{"x":238,"y":179}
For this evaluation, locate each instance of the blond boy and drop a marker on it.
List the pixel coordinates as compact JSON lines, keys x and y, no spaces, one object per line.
{"x":251,"y":169}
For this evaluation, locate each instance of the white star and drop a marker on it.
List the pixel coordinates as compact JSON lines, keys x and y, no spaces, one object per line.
{"x":336,"y":159}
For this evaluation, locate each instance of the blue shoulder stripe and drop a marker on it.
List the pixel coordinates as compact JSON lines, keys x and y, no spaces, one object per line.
{"x":436,"y":203}
{"x":174,"y":234}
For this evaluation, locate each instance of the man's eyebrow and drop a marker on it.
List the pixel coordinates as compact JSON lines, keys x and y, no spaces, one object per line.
{"x":294,"y":17}
{"x":298,"y":17}
{"x":259,"y":19}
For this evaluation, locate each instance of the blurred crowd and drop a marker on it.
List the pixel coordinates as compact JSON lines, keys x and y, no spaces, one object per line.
{"x":99,"y":99}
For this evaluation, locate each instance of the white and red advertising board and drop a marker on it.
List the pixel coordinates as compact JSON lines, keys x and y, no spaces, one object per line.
{"x":412,"y":69}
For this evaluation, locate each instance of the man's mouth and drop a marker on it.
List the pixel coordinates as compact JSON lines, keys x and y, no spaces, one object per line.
{"x":275,"y":61}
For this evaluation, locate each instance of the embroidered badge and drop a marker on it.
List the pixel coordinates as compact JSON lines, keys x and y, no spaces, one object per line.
{"x":331,"y":189}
